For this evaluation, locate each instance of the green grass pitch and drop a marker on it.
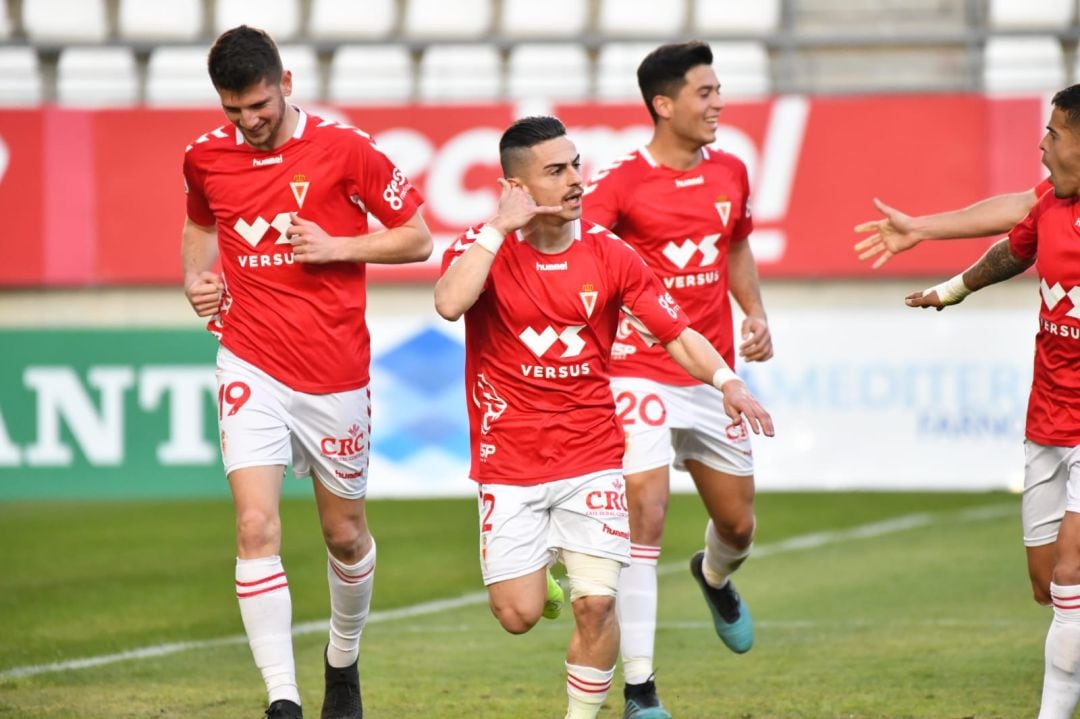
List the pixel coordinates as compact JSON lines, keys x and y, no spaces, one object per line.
{"x":876,"y":605}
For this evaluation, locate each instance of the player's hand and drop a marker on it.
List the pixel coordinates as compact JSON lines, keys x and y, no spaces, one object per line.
{"x":203,"y":291}
{"x":311,"y":244}
{"x":517,"y":207}
{"x":924,"y":299}
{"x":757,"y":340}
{"x":741,"y":406}
{"x":891,"y":236}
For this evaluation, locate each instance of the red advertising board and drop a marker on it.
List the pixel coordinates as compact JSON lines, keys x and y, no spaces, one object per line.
{"x":95,"y":197}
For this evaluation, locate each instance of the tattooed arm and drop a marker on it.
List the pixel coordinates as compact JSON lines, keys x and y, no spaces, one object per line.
{"x":998,"y":264}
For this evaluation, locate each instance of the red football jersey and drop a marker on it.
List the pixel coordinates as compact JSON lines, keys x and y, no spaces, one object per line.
{"x":538,"y":349}
{"x":682,"y":224}
{"x":301,"y":324}
{"x":1051,"y":234}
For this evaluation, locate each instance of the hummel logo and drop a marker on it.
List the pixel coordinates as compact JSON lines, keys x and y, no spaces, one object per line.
{"x":551,"y":266}
{"x":699,"y":180}
{"x":275,"y":160}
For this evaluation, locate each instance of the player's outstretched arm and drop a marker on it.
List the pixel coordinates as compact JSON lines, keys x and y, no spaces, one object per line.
{"x":746,"y":289}
{"x":198,"y":252}
{"x":408,"y":242}
{"x":899,"y":232}
{"x":460,"y":286}
{"x":695,"y":355}
{"x":998,"y":264}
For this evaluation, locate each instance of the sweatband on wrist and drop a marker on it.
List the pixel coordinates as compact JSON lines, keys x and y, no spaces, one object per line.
{"x":722,"y":376}
{"x":950,"y":291}
{"x":489,"y":238}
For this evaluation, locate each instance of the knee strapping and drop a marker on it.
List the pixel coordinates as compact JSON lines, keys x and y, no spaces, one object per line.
{"x":590,"y":576}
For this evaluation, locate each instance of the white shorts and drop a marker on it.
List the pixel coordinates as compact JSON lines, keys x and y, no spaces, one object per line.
{"x":264,"y":423}
{"x":659,"y":418}
{"x":1051,"y":487}
{"x":523,"y":527}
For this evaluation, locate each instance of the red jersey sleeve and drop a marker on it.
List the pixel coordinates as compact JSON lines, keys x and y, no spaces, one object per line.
{"x":1043,"y":187}
{"x":198,"y":209}
{"x":745,"y":224}
{"x":644,"y":297}
{"x":1024,"y":238}
{"x":601,"y":202}
{"x":382,"y":188}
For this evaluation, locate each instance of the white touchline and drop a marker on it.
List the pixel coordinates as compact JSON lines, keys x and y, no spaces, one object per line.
{"x":793,"y":544}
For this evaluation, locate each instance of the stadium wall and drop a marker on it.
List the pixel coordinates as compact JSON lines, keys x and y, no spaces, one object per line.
{"x":111,"y":393}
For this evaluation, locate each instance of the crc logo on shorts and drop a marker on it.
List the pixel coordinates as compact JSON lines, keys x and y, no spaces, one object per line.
{"x":540,"y":342}
{"x":349,"y":447}
{"x":607,"y":502}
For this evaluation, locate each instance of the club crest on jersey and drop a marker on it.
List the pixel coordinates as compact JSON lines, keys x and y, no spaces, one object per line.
{"x":588,"y":298}
{"x":723,"y":208}
{"x":299,"y":187}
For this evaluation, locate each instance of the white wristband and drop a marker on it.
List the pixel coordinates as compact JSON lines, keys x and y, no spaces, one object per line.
{"x":722,"y":376}
{"x":489,"y":238}
{"x":950,"y":291}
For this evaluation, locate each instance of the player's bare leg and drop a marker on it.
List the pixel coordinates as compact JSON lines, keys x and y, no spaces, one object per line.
{"x":350,"y":572}
{"x":729,"y":501}
{"x":1061,"y":681}
{"x":594,"y":645}
{"x":518,"y":603}
{"x":647,"y":495}
{"x":1040,"y":562}
{"x":262,"y":588}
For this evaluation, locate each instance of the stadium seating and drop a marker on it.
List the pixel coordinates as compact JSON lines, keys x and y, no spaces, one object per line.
{"x":641,"y":18}
{"x":20,"y":77}
{"x":553,"y":71}
{"x":155,"y":21}
{"x":5,"y":22}
{"x":64,"y":21}
{"x":1023,"y":64}
{"x":371,"y":74}
{"x":280,"y":18}
{"x":616,"y":69}
{"x":547,"y":19}
{"x":302,"y":61}
{"x":345,"y":20}
{"x":1047,"y":15}
{"x":97,"y":77}
{"x":441,"y":20}
{"x":460,"y":72}
{"x":176,"y":76}
{"x":732,"y":17}
{"x":742,"y":68}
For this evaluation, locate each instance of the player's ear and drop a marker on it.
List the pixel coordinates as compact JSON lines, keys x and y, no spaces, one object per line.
{"x":662,"y":106}
{"x":286,"y":83}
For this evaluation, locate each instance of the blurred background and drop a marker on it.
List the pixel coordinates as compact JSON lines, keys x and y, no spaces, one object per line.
{"x":106,"y":377}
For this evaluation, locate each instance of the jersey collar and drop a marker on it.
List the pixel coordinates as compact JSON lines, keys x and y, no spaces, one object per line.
{"x":301,"y":124}
{"x":647,"y":156}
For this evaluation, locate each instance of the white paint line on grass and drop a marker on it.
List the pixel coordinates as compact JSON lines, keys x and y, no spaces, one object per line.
{"x":793,"y":544}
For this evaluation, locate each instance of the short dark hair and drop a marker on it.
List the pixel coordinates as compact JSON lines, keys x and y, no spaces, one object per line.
{"x":663,"y":71}
{"x":1068,"y":101}
{"x":242,"y":57}
{"x":522,"y":135}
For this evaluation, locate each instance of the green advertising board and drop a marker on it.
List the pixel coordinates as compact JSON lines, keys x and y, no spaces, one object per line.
{"x":110,"y":414}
